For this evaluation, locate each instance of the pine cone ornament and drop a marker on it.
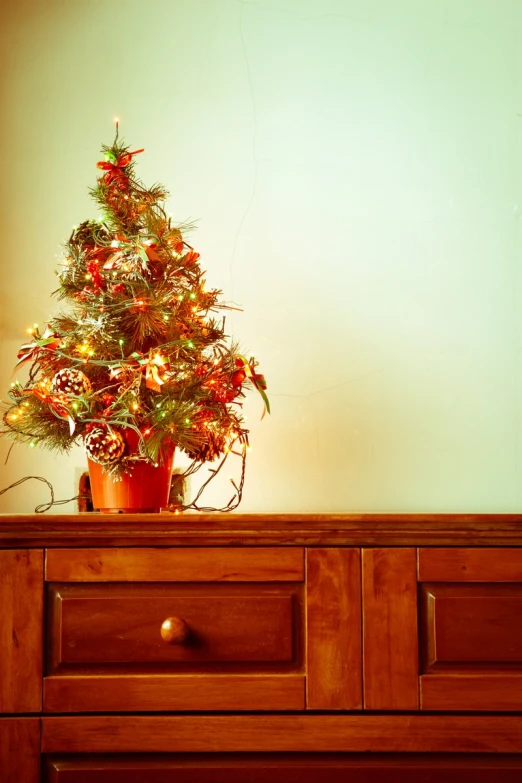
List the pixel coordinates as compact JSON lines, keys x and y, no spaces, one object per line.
{"x":70,"y":381}
{"x":85,"y":232}
{"x":208,"y":449}
{"x":103,"y":446}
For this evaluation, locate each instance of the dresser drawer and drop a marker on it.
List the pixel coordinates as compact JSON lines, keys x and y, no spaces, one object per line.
{"x":174,"y":629}
{"x":470,"y":632}
{"x":137,"y":625}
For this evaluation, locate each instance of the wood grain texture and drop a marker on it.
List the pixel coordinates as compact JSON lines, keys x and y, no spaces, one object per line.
{"x":175,"y":565}
{"x":19,"y":750}
{"x":470,"y":565}
{"x":102,"y":623}
{"x":128,"y":693}
{"x":283,"y":733}
{"x":21,"y":630}
{"x":474,"y":692}
{"x":235,"y":529}
{"x":466,"y":625}
{"x":333,"y":601}
{"x":284,"y":768}
{"x":390,"y":641}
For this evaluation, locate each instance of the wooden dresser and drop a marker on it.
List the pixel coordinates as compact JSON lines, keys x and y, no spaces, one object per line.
{"x":261,"y":648}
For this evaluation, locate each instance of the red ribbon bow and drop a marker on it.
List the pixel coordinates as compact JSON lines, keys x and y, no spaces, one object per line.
{"x":48,"y":341}
{"x":114,"y":171}
{"x":155,"y":368}
{"x":256,"y":378}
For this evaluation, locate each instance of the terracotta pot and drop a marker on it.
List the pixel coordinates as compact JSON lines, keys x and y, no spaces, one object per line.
{"x":146,"y":489}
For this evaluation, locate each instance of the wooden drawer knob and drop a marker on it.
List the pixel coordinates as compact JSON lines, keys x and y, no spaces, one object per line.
{"x":174,"y":630}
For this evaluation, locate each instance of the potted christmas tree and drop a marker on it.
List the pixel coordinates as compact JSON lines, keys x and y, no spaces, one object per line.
{"x":138,"y":364}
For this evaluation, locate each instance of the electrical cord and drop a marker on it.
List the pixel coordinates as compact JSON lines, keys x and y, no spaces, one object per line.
{"x":42,"y":507}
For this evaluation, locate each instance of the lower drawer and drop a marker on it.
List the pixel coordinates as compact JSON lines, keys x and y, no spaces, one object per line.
{"x":282,"y":768}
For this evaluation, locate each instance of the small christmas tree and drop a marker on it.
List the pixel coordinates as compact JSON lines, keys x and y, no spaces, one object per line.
{"x":141,"y":348}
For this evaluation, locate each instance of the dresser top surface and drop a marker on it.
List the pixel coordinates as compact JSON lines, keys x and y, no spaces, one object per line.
{"x":263,"y":529}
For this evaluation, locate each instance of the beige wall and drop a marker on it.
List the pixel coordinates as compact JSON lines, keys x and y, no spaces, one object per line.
{"x":355,"y":169}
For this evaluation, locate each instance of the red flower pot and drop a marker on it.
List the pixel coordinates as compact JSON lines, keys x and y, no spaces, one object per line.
{"x":145,"y":489}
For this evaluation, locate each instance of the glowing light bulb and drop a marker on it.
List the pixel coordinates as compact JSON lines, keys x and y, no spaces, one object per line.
{"x":117,"y":120}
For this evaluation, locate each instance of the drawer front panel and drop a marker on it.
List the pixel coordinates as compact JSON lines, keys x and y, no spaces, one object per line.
{"x":471,"y":624}
{"x":108,"y":624}
{"x":174,"y":629}
{"x":291,"y":768}
{"x":470,"y":629}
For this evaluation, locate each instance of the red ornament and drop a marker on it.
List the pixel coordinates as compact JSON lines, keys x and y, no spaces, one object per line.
{"x":238,"y":377}
{"x":94,"y":271}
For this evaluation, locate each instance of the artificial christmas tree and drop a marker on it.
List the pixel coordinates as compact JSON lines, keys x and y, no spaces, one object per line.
{"x":139,"y":363}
